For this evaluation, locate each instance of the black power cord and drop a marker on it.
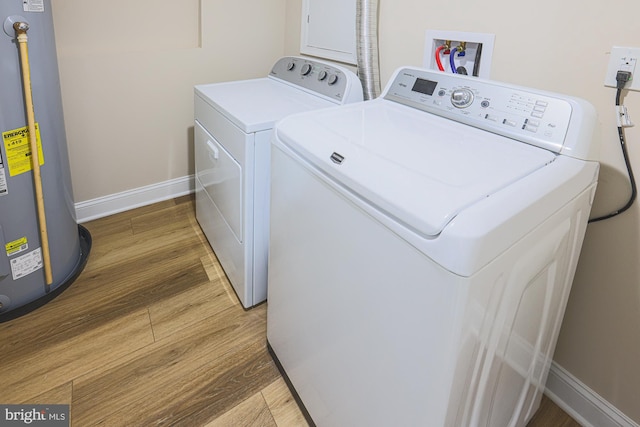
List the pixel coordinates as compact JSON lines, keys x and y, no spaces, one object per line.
{"x":622,"y":77}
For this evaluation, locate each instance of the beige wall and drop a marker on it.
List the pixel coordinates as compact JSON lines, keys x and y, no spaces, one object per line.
{"x":128,"y":68}
{"x":559,"y":46}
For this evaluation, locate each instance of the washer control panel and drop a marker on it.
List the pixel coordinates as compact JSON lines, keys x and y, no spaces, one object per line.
{"x":537,"y":118}
{"x":314,"y":76}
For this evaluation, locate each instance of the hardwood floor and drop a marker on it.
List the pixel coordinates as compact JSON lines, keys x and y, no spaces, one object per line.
{"x":151,"y":333}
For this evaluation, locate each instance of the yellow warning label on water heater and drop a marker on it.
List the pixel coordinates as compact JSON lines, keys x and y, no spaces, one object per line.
{"x":16,"y":145}
{"x":16,"y":246}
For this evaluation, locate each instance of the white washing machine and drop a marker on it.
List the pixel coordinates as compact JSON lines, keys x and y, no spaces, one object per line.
{"x":423,"y":247}
{"x":233,"y":125}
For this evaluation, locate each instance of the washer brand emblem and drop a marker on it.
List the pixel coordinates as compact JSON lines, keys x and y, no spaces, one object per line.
{"x":337,"y":158}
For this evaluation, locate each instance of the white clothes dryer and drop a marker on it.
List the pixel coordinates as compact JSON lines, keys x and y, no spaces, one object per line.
{"x":423,"y":247}
{"x":233,"y":125}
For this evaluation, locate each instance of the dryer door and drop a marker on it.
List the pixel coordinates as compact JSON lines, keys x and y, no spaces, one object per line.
{"x":221,"y":177}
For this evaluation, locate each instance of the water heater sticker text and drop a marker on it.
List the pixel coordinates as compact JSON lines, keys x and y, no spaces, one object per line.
{"x":17,"y":246}
{"x":3,"y":178}
{"x":33,"y":5}
{"x":16,"y":145}
{"x":26,"y":264}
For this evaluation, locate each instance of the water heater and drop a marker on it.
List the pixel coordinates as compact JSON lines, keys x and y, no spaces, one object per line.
{"x":35,"y":267}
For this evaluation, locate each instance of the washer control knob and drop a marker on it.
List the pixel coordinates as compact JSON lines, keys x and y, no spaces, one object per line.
{"x":306,"y":70}
{"x":291,"y":66}
{"x":322,"y":75}
{"x":461,"y":98}
{"x":333,"y":79}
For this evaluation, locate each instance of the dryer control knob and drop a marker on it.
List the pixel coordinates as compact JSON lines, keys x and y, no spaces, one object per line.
{"x":306,"y":69}
{"x":461,"y":98}
{"x":333,"y":79}
{"x":291,"y":66}
{"x":322,"y":75}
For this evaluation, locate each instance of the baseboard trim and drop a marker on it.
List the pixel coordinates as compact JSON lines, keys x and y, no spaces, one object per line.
{"x":131,"y":199}
{"x":581,"y":403}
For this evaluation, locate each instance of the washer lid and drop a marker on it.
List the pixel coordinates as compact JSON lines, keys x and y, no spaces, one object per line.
{"x":255,"y":105}
{"x":420,"y":168}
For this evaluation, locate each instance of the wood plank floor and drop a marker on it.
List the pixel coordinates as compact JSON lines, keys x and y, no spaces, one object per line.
{"x":151,"y":333}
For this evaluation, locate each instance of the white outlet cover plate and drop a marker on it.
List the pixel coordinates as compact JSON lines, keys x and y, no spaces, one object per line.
{"x":623,"y":58}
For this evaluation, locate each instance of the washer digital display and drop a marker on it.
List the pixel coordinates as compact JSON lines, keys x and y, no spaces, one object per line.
{"x":424,"y":86}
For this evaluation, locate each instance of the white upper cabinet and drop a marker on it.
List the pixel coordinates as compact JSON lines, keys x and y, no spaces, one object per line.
{"x":329,"y":29}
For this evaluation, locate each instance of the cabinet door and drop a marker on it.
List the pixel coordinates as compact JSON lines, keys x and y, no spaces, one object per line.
{"x":329,"y":29}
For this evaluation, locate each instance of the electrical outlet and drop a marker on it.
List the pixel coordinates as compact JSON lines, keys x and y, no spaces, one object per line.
{"x":623,"y":59}
{"x":478,"y":51}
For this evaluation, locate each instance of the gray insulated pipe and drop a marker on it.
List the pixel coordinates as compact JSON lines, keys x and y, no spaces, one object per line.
{"x":367,"y":47}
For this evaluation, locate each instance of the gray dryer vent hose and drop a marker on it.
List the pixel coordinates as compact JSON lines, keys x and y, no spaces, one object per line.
{"x":367,"y":47}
